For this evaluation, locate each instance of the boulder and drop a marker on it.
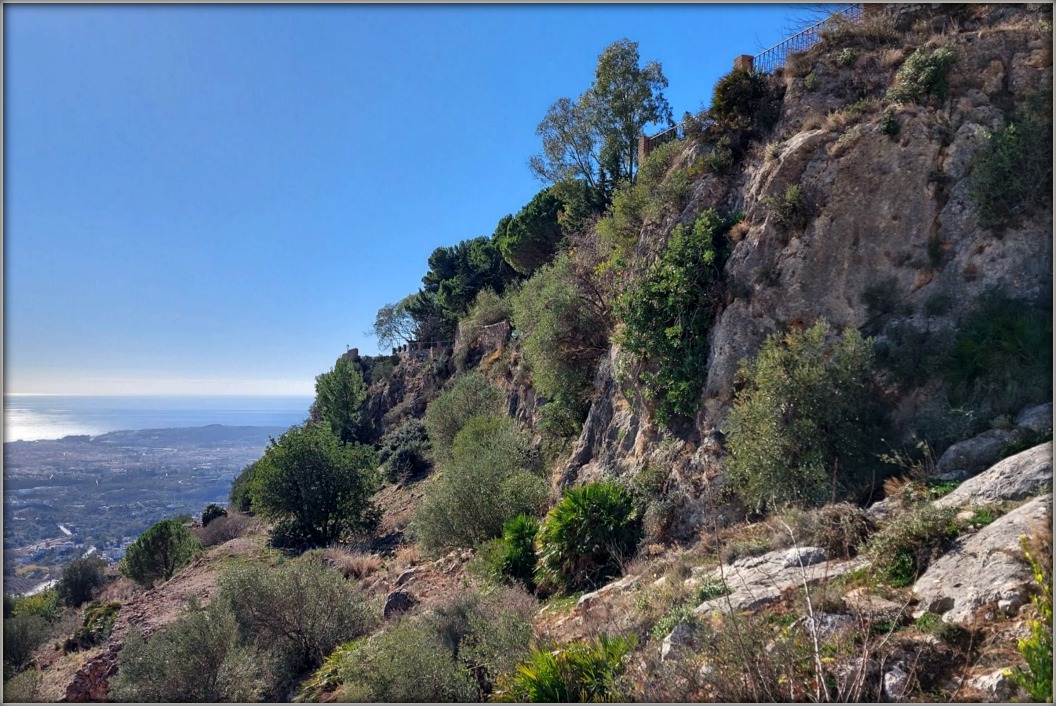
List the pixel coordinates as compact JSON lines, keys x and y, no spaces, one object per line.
{"x":1037,"y":419}
{"x":895,"y":683}
{"x":982,"y":568}
{"x":756,"y":581}
{"x":996,"y":685}
{"x":681,"y":635}
{"x":976,"y":454}
{"x":1024,"y":475}
{"x":398,"y":602}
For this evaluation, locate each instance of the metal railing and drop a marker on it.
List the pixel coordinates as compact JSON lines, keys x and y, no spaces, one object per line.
{"x":770,"y":59}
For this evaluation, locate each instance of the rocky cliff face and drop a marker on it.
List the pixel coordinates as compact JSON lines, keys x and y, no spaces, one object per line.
{"x":891,"y":220}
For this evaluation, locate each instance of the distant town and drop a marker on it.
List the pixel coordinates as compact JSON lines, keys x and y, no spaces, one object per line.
{"x":94,"y":495}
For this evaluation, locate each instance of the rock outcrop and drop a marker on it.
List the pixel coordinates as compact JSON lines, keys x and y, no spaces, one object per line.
{"x":983,"y":571}
{"x":1018,"y":477}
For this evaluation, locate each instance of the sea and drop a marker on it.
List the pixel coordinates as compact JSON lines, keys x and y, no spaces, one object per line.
{"x":37,"y":417}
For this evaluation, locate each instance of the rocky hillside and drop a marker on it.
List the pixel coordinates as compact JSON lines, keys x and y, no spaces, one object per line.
{"x":771,"y":423}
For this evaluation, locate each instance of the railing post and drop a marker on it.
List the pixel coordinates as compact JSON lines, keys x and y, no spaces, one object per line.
{"x":744,"y":62}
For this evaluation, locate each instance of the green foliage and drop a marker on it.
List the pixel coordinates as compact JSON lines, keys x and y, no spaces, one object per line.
{"x":586,"y":536}
{"x":518,"y":559}
{"x":339,"y":396}
{"x":395,"y":324}
{"x":46,"y":604}
{"x":847,"y":57}
{"x":529,"y":240}
{"x":667,"y":313}
{"x":23,"y":634}
{"x":301,"y":608}
{"x":1012,"y":173}
{"x":903,"y":548}
{"x":595,"y":137}
{"x":165,"y":548}
{"x":23,"y":688}
{"x":679,"y":615}
{"x":212,"y":512}
{"x":450,"y":654}
{"x":1037,"y":647}
{"x":459,"y":272}
{"x":573,"y":672}
{"x":810,"y":82}
{"x":405,"y":451}
{"x":80,"y":578}
{"x":803,"y":426}
{"x":486,"y":482}
{"x":562,"y":336}
{"x":889,"y":124}
{"x":487,"y":309}
{"x":470,"y":395}
{"x":745,"y":106}
{"x":790,"y":210}
{"x":316,"y":487}
{"x":922,"y":75}
{"x":196,"y":659}
{"x":240,"y":497}
{"x":1001,"y":359}
{"x":649,"y":197}
{"x":95,"y":628}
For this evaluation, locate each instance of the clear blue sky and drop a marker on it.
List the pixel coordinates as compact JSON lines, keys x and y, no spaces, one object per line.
{"x":218,"y":199}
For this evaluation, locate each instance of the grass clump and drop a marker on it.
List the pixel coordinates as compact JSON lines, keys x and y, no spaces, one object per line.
{"x":790,"y":210}
{"x":586,"y":536}
{"x":903,"y":548}
{"x":922,"y":75}
{"x":803,"y":426}
{"x":572,"y":672}
{"x":667,"y":313}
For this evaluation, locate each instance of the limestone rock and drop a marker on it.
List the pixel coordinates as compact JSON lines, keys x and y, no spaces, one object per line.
{"x":1017,"y":477}
{"x":997,"y":685}
{"x":981,"y":569}
{"x":681,"y":635}
{"x":975,"y":454}
{"x":863,"y":603}
{"x":895,"y":683}
{"x":1037,"y":418}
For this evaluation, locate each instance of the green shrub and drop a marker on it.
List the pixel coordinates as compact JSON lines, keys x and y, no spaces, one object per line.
{"x":161,"y":551}
{"x":1001,"y":359}
{"x":487,"y":482}
{"x":80,"y":579}
{"x":470,"y":395}
{"x":648,"y":197}
{"x":95,"y":628}
{"x":678,"y":615}
{"x":23,"y":688}
{"x":23,"y":634}
{"x":303,"y":608}
{"x":1012,"y":173}
{"x":889,"y":124}
{"x":212,"y":512}
{"x":196,"y":659}
{"x":573,"y":672}
{"x":315,"y":487}
{"x":810,"y":82}
{"x":791,"y":210}
{"x":562,"y":337}
{"x":802,"y":428}
{"x":847,"y":57}
{"x":452,"y":653}
{"x":518,"y":561}
{"x":224,"y":529}
{"x":586,"y":536}
{"x":405,"y":451}
{"x":531,"y":238}
{"x":46,"y":604}
{"x":668,"y":311}
{"x":1037,"y":647}
{"x":903,"y":548}
{"x":340,"y":395}
{"x":745,"y":106}
{"x":922,"y":75}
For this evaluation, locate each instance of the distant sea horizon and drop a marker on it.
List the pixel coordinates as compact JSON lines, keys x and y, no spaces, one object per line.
{"x":29,"y":417}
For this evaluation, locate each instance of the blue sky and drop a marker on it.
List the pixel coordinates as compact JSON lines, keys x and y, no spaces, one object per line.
{"x":218,"y":199}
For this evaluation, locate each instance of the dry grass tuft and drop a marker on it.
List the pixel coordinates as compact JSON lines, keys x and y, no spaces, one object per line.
{"x":408,"y":555}
{"x":352,"y":564}
{"x":738,"y":232}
